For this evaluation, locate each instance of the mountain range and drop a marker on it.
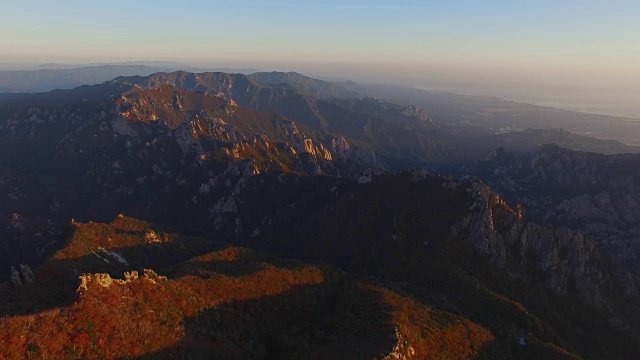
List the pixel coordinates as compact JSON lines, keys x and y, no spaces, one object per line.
{"x":272,"y":215}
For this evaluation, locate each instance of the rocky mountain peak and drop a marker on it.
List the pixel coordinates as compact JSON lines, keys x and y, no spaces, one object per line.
{"x":416,"y":112}
{"x":504,"y":235}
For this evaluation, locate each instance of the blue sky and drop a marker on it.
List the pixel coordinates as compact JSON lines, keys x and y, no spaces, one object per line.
{"x":524,"y":36}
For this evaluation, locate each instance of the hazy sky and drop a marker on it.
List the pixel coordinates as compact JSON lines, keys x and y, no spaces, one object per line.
{"x":553,"y":42}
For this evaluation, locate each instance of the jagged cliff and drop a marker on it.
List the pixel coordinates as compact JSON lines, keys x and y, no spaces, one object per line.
{"x":598,"y":195}
{"x":565,"y":260}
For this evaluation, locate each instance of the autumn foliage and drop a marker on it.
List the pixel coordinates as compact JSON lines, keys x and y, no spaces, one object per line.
{"x":231,"y":303}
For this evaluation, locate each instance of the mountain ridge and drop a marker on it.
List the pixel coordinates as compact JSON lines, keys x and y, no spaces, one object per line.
{"x":210,"y":181}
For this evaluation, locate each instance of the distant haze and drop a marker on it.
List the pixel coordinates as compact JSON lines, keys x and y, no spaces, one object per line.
{"x":579,"y":55}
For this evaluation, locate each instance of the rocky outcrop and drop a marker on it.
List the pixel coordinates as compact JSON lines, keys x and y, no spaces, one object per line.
{"x":15,"y":277}
{"x":402,"y":350}
{"x":316,"y":151}
{"x":367,"y":175}
{"x":566,"y":260}
{"x":416,"y":112}
{"x":88,"y":281}
{"x":598,"y":195}
{"x":150,"y":237}
{"x":24,"y":241}
{"x":109,"y":256}
{"x":21,"y":275}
